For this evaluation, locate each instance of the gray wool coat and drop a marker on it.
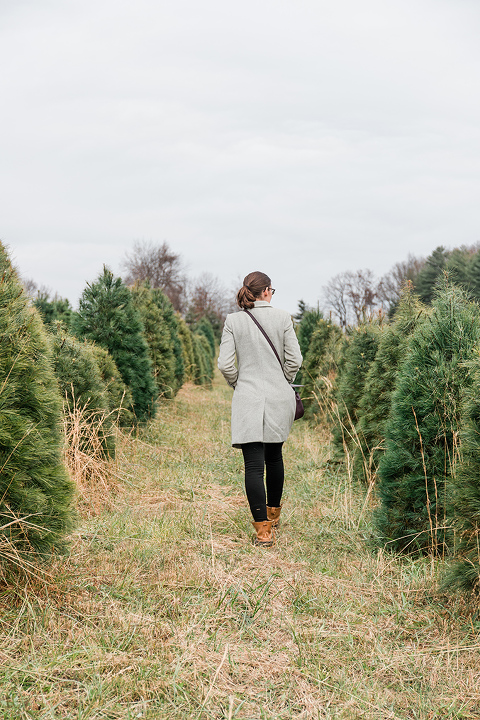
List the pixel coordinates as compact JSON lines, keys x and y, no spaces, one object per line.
{"x":263,"y":404}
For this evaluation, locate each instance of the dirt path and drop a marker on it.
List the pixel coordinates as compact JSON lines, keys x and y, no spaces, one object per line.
{"x":166,"y":610}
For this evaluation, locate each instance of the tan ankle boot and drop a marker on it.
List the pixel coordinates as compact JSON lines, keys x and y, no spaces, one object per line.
{"x":273,"y":514}
{"x":265,"y":536}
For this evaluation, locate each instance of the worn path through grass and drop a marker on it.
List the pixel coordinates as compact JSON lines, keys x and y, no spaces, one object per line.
{"x":165,"y":610}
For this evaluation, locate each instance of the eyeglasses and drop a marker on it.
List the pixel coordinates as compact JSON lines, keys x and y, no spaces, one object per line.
{"x":272,"y":290}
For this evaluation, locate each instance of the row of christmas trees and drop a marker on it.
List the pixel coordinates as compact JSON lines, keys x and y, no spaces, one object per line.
{"x":112,"y":359}
{"x":403,"y":400}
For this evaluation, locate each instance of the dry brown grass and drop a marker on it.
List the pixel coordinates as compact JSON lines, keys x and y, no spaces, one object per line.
{"x":96,"y":475}
{"x":165,"y":610}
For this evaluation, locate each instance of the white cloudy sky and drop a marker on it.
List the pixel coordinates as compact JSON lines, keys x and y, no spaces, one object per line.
{"x":298,"y":137}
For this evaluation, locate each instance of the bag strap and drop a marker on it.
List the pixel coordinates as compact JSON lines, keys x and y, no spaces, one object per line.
{"x":266,"y":337}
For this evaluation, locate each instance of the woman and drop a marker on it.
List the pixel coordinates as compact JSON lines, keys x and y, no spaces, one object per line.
{"x":263,"y":404}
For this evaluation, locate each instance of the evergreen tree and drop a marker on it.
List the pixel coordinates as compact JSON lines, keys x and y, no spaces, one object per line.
{"x":464,"y":572}
{"x":474,"y":276}
{"x":203,"y":369}
{"x":458,"y":265}
{"x":204,"y":327}
{"x":36,"y":494}
{"x":319,"y":366}
{"x":302,"y":309}
{"x":172,"y":320}
{"x":185,"y":336}
{"x":107,"y":316}
{"x":119,"y":395}
{"x":359,"y":354}
{"x":158,"y":337}
{"x":422,"y":429}
{"x":208,"y":358}
{"x":306,"y":328}
{"x":374,"y":405}
{"x":323,"y":407}
{"x":194,"y":316}
{"x":53,"y":311}
{"x":430,"y":273}
{"x":82,"y":387}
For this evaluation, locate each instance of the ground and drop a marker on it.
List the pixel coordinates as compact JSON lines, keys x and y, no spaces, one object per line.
{"x":165,"y":610}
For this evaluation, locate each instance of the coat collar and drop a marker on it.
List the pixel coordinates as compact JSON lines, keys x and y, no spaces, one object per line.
{"x":261,"y":303}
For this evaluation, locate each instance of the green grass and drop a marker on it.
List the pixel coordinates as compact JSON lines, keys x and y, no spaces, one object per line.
{"x":164,"y":609}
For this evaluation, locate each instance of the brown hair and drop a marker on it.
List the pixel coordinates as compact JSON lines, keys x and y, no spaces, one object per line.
{"x":253,"y":286}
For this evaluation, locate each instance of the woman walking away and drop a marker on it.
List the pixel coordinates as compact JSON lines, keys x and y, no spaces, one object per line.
{"x":263,"y":404}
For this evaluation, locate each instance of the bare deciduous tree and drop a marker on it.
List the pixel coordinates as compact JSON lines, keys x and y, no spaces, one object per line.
{"x":352,"y":296}
{"x":36,"y":292}
{"x":391,"y":284}
{"x":335,"y":294}
{"x":162,"y":267}
{"x":209,"y":298}
{"x":30,"y":286}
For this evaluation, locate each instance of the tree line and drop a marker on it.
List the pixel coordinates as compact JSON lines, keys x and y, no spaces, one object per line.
{"x":109,"y":361}
{"x":400,"y":390}
{"x":353,"y":295}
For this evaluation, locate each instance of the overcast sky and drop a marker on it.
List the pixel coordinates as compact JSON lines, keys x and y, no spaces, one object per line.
{"x":297,"y":137}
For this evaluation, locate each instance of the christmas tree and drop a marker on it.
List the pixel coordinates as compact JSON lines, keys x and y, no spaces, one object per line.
{"x":204,"y":327}
{"x":375,"y":402}
{"x":185,"y":337}
{"x":474,"y":275}
{"x":203,"y":368}
{"x":464,"y":572}
{"x":426,"y":279}
{"x":107,"y":316}
{"x":158,"y":337}
{"x":83,"y":389}
{"x":359,"y":354}
{"x":54,"y":311}
{"x":320,"y":367}
{"x":422,"y":431}
{"x":119,"y":395}
{"x":306,"y":327}
{"x":36,"y":494}
{"x":458,"y":266}
{"x":172,"y":320}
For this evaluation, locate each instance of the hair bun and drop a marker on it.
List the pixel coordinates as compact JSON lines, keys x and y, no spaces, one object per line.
{"x":253,"y":286}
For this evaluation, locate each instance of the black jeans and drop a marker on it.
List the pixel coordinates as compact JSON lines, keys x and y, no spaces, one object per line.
{"x":258,"y":456}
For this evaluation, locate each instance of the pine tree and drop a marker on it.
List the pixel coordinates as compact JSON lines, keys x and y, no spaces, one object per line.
{"x":374,"y":405}
{"x":464,"y":571}
{"x":322,"y":407}
{"x":429,"y":274}
{"x":53,"y":311}
{"x":306,"y":328}
{"x":119,"y":395}
{"x":204,"y":327}
{"x":316,"y":366}
{"x":82,"y":387}
{"x":302,"y":309}
{"x":172,"y":320}
{"x":158,"y":337}
{"x":457,"y":266}
{"x":185,"y":336}
{"x":203,"y":369}
{"x":422,"y":430}
{"x":207,"y":359}
{"x":359,"y":354}
{"x":107,"y":316}
{"x":36,"y":494}
{"x":474,"y":276}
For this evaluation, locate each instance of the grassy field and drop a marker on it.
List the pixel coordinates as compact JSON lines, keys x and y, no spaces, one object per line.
{"x":164,"y":609}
